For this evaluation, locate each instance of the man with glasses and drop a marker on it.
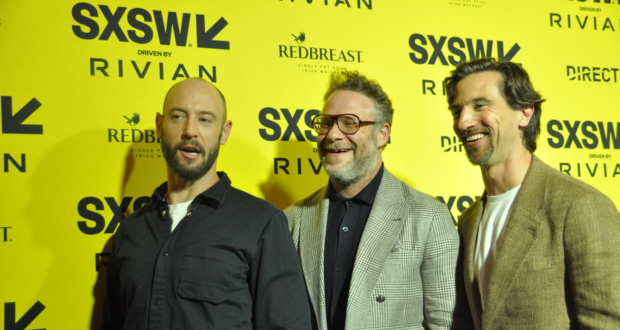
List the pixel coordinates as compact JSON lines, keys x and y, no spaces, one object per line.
{"x":375,"y":253}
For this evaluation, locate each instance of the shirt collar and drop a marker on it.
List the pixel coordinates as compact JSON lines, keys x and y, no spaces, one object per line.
{"x":214,"y":195}
{"x":366,"y":195}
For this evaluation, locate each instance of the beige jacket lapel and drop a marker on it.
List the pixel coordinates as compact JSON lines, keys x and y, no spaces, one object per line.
{"x":312,"y":248}
{"x":470,"y":230}
{"x":381,"y":232}
{"x":520,"y":233}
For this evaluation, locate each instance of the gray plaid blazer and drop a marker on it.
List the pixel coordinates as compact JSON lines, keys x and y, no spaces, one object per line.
{"x":405,"y":271}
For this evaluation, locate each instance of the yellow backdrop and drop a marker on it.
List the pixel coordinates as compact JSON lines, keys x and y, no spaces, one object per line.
{"x":81,"y":82}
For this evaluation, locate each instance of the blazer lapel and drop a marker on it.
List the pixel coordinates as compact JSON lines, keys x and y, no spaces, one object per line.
{"x":381,"y":232}
{"x":312,"y":246}
{"x":470,"y":232}
{"x":520,"y":233}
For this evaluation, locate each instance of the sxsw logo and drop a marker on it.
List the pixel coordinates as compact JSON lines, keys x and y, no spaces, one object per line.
{"x":461,"y":203}
{"x":587,"y":134}
{"x":9,"y":316}
{"x":96,"y":223}
{"x":166,"y":25}
{"x":283,"y":124}
{"x":132,"y":134}
{"x":592,"y":73}
{"x":458,"y":50}
{"x":299,"y":51}
{"x":451,"y":144}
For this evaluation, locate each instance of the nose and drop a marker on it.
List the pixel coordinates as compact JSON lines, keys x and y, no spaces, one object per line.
{"x":334,"y":132}
{"x":190,"y":130}
{"x":465,"y":120}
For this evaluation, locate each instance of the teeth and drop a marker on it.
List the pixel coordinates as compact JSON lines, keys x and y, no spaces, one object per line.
{"x":475,"y":137}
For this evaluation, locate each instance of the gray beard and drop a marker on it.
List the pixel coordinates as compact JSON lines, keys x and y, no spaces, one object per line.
{"x":362,"y":163}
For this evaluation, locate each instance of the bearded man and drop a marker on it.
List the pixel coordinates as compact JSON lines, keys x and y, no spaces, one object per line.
{"x":540,"y":247}
{"x":376,"y":253}
{"x":202,"y":254}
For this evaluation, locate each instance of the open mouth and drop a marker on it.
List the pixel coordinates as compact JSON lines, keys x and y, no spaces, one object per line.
{"x":190,"y":149}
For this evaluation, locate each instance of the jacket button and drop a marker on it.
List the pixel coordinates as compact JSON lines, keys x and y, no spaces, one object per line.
{"x":381,"y":298}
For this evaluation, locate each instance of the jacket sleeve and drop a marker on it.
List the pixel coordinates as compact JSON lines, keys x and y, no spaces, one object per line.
{"x":591,"y":240}
{"x":445,"y":302}
{"x":113,"y":316}
{"x":278,"y":290}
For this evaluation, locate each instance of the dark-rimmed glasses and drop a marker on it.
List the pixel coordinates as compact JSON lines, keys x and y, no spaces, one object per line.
{"x":348,"y":123}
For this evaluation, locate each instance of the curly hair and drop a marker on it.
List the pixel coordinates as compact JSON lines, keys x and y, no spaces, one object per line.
{"x":343,"y":79}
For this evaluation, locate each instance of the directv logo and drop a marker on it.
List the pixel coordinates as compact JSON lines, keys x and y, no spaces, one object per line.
{"x":452,"y":144}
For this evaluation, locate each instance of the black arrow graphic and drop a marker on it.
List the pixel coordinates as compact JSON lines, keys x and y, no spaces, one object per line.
{"x":25,"y":320}
{"x":12,"y":124}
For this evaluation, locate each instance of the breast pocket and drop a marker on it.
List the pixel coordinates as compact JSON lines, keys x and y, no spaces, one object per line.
{"x":205,"y":274}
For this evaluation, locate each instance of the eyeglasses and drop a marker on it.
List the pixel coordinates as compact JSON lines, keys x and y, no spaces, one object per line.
{"x":347,"y":123}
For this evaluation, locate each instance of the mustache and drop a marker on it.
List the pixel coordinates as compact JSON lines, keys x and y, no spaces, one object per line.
{"x":467,"y":132}
{"x":339,"y":145}
{"x":193,"y":143}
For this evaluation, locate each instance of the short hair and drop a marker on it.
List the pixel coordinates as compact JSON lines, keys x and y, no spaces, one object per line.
{"x":343,"y":79}
{"x":204,"y":80}
{"x":516,"y":88}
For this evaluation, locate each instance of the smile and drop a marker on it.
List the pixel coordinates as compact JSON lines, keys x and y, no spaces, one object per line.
{"x":337,"y":151}
{"x":475,"y":137}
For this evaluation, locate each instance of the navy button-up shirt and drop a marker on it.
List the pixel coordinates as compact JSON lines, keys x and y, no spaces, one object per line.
{"x":229,"y":264}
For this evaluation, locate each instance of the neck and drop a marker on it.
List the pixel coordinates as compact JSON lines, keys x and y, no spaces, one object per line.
{"x":354,"y":188}
{"x":181,"y":190}
{"x":501,"y":177}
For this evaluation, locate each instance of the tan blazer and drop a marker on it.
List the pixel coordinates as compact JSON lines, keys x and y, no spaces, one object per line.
{"x":558,"y":266}
{"x":405,"y":267}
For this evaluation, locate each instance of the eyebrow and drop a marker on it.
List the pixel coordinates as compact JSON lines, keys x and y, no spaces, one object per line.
{"x":200,"y":112}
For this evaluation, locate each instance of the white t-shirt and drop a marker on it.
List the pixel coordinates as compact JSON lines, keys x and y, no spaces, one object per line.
{"x":490,"y":235}
{"x":177,"y":213}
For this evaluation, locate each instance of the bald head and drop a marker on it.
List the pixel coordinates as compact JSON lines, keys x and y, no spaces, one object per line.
{"x":196,"y":90}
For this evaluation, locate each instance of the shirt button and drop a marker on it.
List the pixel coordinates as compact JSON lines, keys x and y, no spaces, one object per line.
{"x":348,"y":203}
{"x":189,"y":213}
{"x":381,"y":298}
{"x":165,"y":254}
{"x":157,"y":303}
{"x":163,"y":212}
{"x":345,"y":229}
{"x":339,"y":268}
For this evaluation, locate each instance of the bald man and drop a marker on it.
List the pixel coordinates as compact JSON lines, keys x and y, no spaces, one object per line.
{"x":202,"y":254}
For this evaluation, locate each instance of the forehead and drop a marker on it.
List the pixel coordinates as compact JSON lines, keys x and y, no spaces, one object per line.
{"x":344,"y":101}
{"x":481,"y":84}
{"x":194,"y":95}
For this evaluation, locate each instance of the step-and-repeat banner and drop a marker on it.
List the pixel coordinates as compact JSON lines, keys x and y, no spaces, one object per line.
{"x":81,"y":82}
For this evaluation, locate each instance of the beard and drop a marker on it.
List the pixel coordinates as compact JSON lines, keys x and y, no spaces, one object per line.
{"x":187,"y":171}
{"x":362,"y":163}
{"x":479,"y":155}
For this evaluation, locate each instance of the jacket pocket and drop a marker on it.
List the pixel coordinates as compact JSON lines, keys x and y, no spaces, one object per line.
{"x":205,"y":274}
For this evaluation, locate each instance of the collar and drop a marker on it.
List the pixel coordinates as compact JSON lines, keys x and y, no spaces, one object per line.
{"x":365,"y":196}
{"x":214,"y":195}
